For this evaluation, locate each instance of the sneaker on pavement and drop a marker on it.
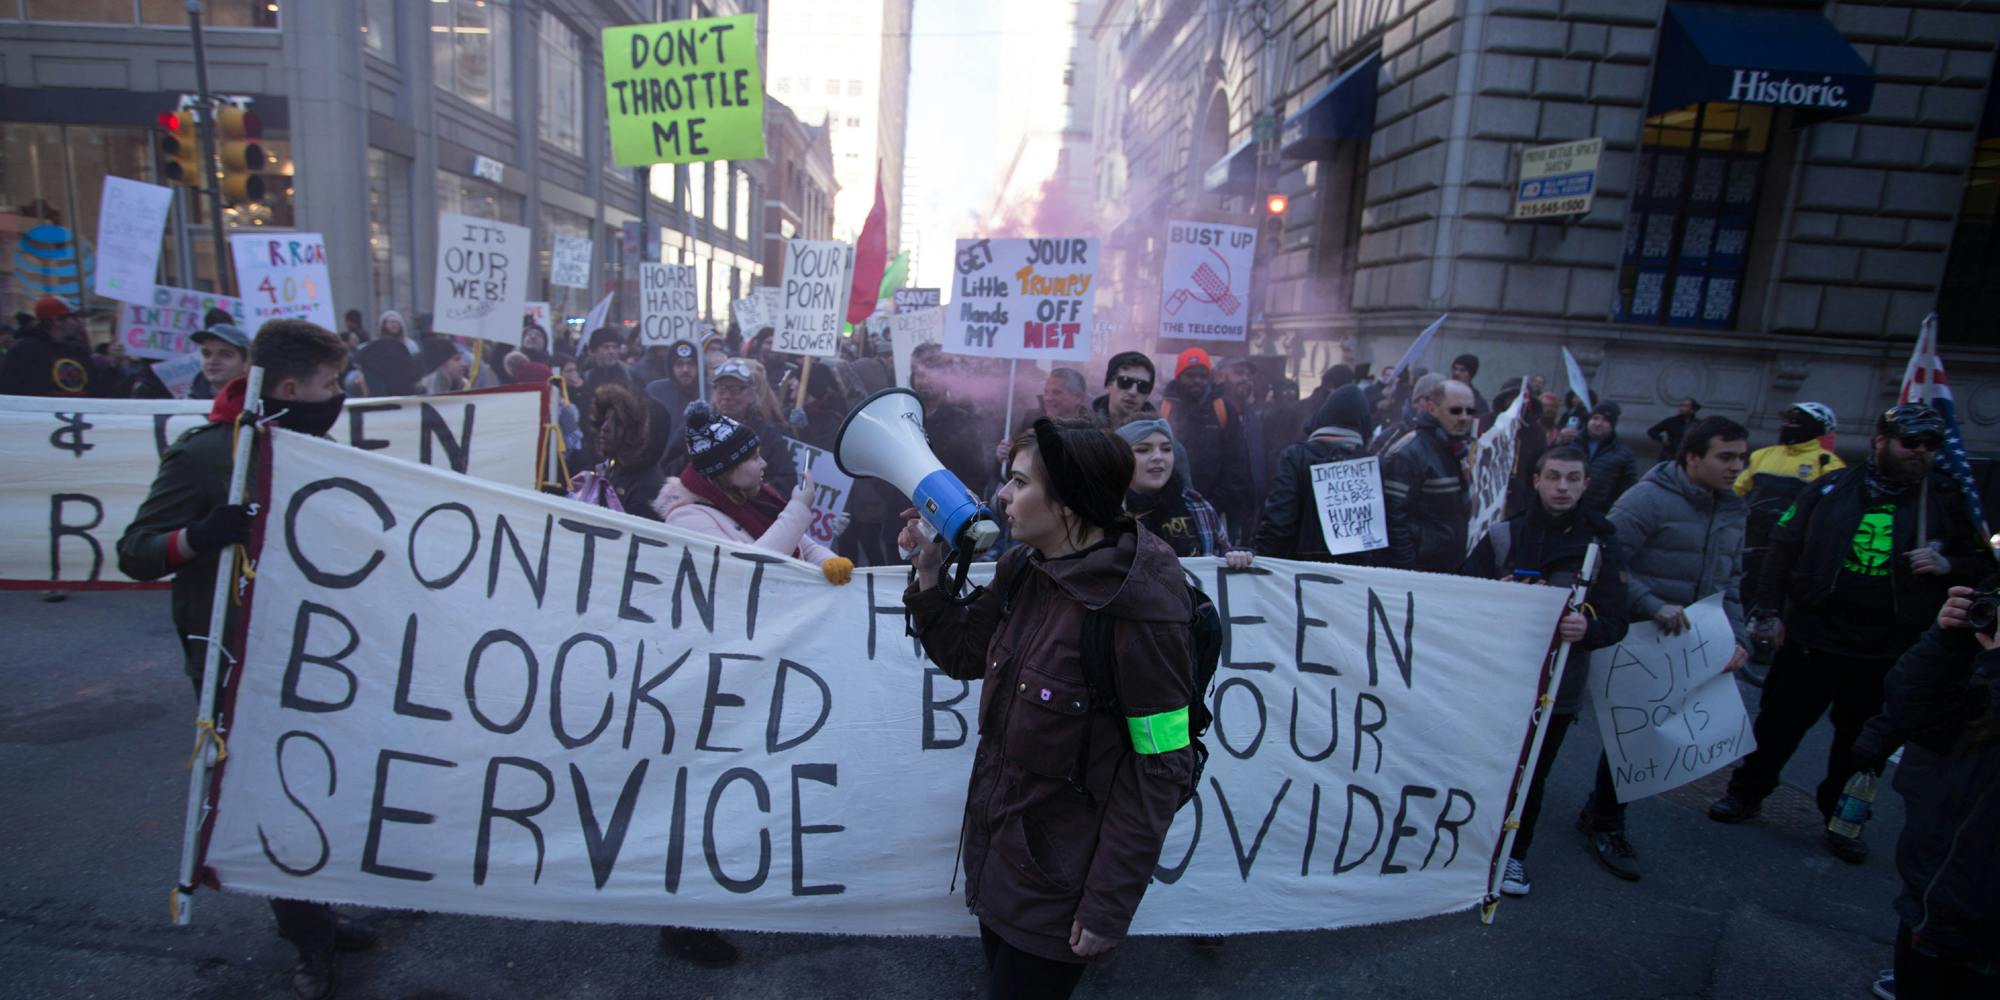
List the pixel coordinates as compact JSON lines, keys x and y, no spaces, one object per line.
{"x":704,"y":948}
{"x":1733,"y":808}
{"x":1515,"y":881}
{"x":1852,"y":850}
{"x":312,"y":978}
{"x":1885,"y":984}
{"x":1614,"y":852}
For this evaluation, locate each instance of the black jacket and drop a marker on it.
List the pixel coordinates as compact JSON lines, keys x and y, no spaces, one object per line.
{"x":1554,"y":547}
{"x":1427,"y":500}
{"x":1667,"y":434}
{"x":389,"y":368}
{"x":1613,"y":470}
{"x":1812,"y":541}
{"x":40,"y":365}
{"x":1290,"y":528}
{"x":1211,"y":432}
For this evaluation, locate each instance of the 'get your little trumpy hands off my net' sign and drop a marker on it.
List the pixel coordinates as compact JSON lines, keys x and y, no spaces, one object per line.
{"x":684,"y":91}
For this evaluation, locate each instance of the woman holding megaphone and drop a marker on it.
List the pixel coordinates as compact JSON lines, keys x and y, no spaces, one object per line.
{"x":1074,"y":782}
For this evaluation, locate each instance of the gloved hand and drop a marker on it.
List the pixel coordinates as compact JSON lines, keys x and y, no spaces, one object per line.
{"x":797,"y":418}
{"x":837,"y":570}
{"x":224,"y":526}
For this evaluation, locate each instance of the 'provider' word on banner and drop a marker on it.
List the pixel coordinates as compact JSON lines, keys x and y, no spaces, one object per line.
{"x":160,"y":326}
{"x":482,"y":278}
{"x":831,"y":487}
{"x":283,"y":276}
{"x":668,"y":305}
{"x":569,"y":264}
{"x":684,"y":91}
{"x":814,"y":303}
{"x":1349,"y":498}
{"x":130,"y":219}
{"x":468,"y":698}
{"x":1493,"y":471}
{"x":77,"y":470}
{"x":1666,"y":711}
{"x":1023,"y":298}
{"x":1205,"y":281}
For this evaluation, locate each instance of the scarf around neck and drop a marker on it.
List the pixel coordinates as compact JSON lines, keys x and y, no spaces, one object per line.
{"x":755,"y":515}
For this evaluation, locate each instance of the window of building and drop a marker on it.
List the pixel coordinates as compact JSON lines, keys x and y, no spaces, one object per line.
{"x":478,"y":198}
{"x":1694,"y":197}
{"x":1969,"y":298}
{"x":854,"y":88}
{"x":562,"y":85}
{"x":698,"y":189}
{"x":378,"y":27}
{"x":470,"y":52}
{"x":390,"y":232}
{"x":832,"y":88}
{"x":223,"y":14}
{"x":745,"y":194}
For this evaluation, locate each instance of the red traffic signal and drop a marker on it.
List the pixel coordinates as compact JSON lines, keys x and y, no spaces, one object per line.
{"x":1274,"y":204}
{"x":169,"y":120}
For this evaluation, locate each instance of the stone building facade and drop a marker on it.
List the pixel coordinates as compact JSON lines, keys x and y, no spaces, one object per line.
{"x":1753,"y":241}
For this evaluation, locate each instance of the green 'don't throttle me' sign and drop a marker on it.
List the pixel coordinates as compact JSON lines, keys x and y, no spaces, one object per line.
{"x":684,"y":91}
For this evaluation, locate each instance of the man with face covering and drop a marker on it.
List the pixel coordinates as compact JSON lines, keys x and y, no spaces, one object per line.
{"x":1426,"y":494}
{"x":1858,"y":566}
{"x":1776,"y":475}
{"x":187,"y":528}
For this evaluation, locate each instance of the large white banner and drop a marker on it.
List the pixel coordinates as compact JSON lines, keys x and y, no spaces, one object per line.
{"x":77,"y":470}
{"x":1493,"y":471}
{"x":131,"y":216}
{"x":1666,"y":711}
{"x":282,"y":276}
{"x":482,"y":278}
{"x":465,"y":697}
{"x":1205,"y":281}
{"x":1023,"y":298}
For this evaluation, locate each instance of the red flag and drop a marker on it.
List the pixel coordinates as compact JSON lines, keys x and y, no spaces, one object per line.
{"x":871,"y":258}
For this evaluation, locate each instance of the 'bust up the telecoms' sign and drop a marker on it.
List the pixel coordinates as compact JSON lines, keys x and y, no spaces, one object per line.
{"x":1557,"y":180}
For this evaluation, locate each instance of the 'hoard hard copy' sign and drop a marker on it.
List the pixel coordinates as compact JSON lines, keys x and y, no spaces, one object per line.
{"x":668,"y":303}
{"x":1023,"y":298}
{"x":468,"y":698}
{"x":684,"y":91}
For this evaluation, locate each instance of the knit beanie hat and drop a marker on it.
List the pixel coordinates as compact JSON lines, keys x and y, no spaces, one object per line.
{"x":435,"y":352}
{"x":1469,"y":361}
{"x":1135,"y":431}
{"x":715,"y":443}
{"x":1345,"y":407}
{"x":1610,"y":410}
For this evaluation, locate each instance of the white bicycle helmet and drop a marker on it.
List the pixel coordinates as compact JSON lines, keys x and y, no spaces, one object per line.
{"x":1819,"y":412}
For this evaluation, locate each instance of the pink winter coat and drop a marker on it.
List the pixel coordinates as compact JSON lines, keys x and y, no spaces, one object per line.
{"x":678,"y":506}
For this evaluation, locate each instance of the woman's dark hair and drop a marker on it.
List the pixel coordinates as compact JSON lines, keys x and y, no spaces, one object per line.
{"x":1088,"y":468}
{"x":620,"y":423}
{"x":1702,"y":435}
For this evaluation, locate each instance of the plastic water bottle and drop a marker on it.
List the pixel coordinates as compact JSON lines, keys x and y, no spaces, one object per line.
{"x":1856,"y":802}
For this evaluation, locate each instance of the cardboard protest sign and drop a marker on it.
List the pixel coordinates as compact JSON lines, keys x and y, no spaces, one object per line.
{"x":668,"y":304}
{"x":909,"y":331}
{"x":1493,"y":471}
{"x":482,"y":278}
{"x":1205,"y":281}
{"x":569,"y":264}
{"x":536,"y":313}
{"x":79,"y":469}
{"x":904,"y":300}
{"x":813,"y":306}
{"x":160,"y":326}
{"x":1023,"y":298}
{"x":831,"y":487}
{"x":482,"y":700}
{"x":684,"y":91}
{"x":1348,"y":496}
{"x":131,"y":218}
{"x":1666,"y":711}
{"x":283,"y":276}
{"x":178,"y":373}
{"x":599,"y":314}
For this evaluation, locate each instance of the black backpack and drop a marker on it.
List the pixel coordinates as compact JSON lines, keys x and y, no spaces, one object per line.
{"x":1205,"y":649}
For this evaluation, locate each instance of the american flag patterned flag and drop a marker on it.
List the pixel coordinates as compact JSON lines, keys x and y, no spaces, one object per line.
{"x":1924,"y":382}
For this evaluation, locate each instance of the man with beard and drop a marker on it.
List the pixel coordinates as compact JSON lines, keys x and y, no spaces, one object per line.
{"x":1859,"y":565}
{"x":1425,"y":490}
{"x":682,"y":383}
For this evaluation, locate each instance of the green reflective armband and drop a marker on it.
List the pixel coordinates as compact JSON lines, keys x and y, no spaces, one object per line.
{"x":1160,"y":733}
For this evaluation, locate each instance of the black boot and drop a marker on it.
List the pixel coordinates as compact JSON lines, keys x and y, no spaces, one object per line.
{"x":312,"y":978}
{"x":1734,"y":808}
{"x":707,"y":949}
{"x":351,"y":934}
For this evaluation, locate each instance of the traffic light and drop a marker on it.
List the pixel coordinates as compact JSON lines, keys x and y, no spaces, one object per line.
{"x":237,"y":130}
{"x":1275,"y":204}
{"x":180,"y":150}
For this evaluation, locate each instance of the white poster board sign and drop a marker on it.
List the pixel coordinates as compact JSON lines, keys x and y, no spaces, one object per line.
{"x":1348,"y":496}
{"x":283,"y":276}
{"x":536,"y":313}
{"x":178,"y":373}
{"x":1205,"y":281}
{"x":160,"y":326}
{"x":1023,"y":298}
{"x":77,"y":470}
{"x":1666,"y":711}
{"x":831,"y":487}
{"x":904,"y":300}
{"x":599,"y":314}
{"x":569,"y":263}
{"x":759,"y":749}
{"x":668,"y":304}
{"x":1577,"y":384}
{"x":1493,"y":471}
{"x":814,"y":302}
{"x":131,"y":217}
{"x":909,"y":331}
{"x":482,"y":278}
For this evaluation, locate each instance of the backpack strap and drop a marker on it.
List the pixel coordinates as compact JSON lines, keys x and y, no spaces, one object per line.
{"x":1222,"y":412}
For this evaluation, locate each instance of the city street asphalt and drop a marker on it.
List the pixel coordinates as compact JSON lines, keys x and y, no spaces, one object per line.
{"x":96,"y":724}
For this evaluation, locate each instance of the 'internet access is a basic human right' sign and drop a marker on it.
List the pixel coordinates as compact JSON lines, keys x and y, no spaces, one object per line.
{"x":684,"y":91}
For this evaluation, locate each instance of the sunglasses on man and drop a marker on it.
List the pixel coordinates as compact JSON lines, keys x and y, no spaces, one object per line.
{"x":1461,"y":411}
{"x":1923,"y":442}
{"x":1144,"y":386}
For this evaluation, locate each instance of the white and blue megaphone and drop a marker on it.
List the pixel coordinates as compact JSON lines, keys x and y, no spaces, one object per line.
{"x":883,"y":438}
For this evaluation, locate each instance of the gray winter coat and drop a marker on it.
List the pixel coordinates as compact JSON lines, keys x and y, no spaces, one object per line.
{"x":1681,"y":543}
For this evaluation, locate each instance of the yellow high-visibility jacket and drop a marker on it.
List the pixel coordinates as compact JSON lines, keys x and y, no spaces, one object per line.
{"x":1805,"y":461}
